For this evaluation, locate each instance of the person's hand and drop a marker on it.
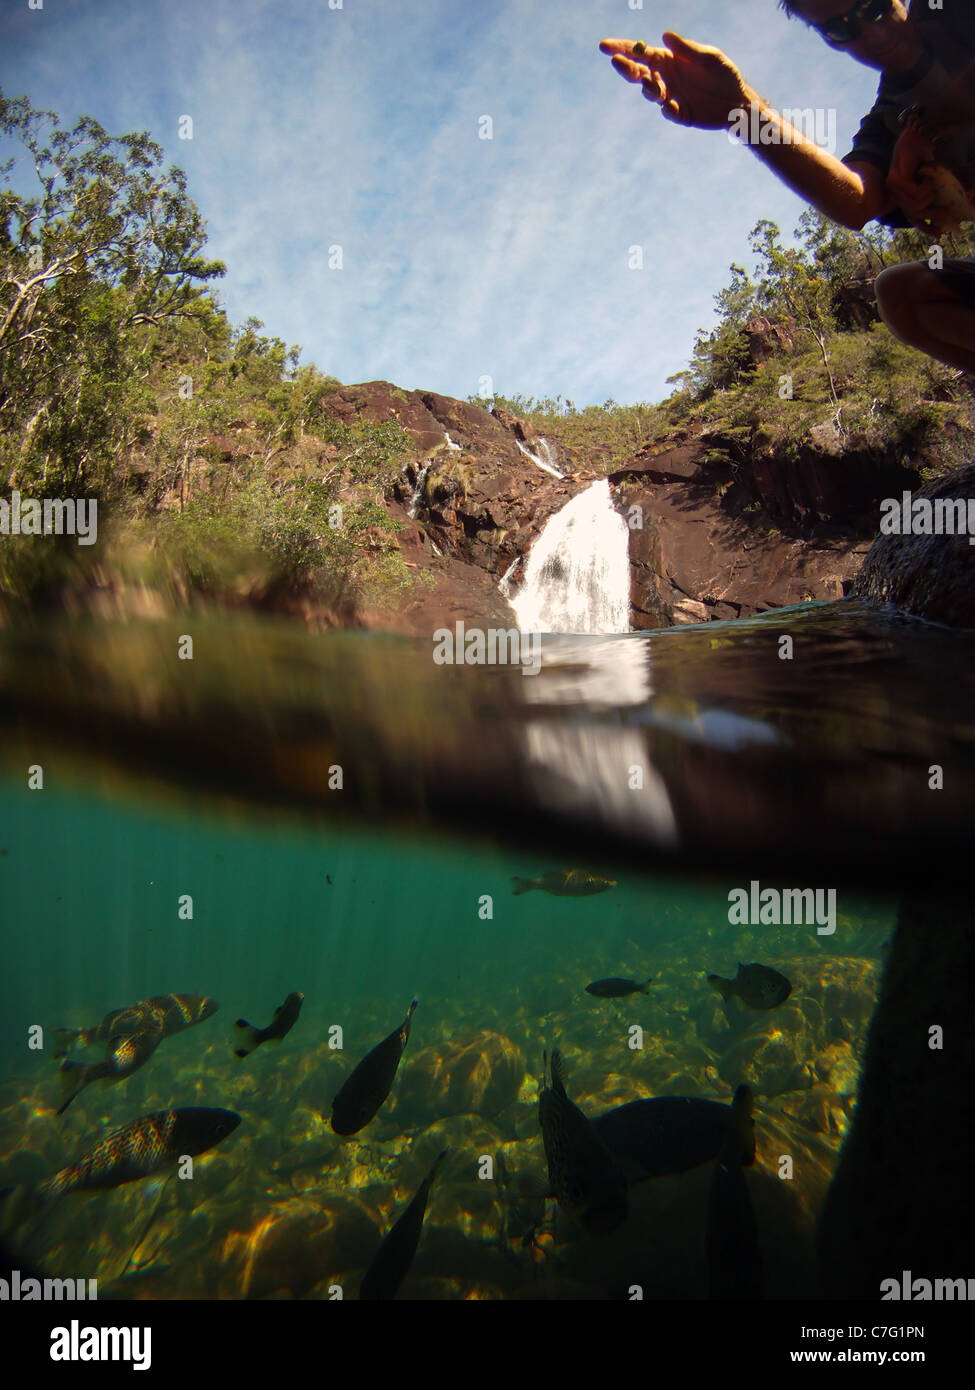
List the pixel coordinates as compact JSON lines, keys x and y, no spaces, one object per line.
{"x":913,"y":193}
{"x":694,"y":84}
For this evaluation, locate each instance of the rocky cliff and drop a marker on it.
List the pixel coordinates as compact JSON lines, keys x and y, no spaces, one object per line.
{"x":719,"y":527}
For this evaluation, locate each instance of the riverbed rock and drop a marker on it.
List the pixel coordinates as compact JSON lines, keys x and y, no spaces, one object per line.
{"x":481,"y":1073}
{"x":933,"y":576}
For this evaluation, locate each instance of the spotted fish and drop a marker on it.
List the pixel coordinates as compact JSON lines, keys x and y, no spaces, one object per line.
{"x":371,"y":1081}
{"x":132,"y":1036}
{"x":585,"y":1179}
{"x":135,"y":1151}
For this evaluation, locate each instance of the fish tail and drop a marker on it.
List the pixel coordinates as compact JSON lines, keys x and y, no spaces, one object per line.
{"x":522,"y":885}
{"x":75,"y":1076}
{"x":66,"y":1039}
{"x":722,"y":985}
{"x":246,"y":1038}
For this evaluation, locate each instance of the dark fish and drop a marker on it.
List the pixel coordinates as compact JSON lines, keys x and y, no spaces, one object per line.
{"x":395,"y":1255}
{"x":125,"y":1055}
{"x":371,"y":1082}
{"x":585,"y":1179}
{"x":285,"y":1018}
{"x":669,"y":1134}
{"x":614,"y":988}
{"x":138,"y":1149}
{"x":565,"y":883}
{"x":734,"y":1258}
{"x":758,"y":986}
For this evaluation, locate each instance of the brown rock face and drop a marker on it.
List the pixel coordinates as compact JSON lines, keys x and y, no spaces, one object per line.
{"x":476,"y":499}
{"x":695,"y":554}
{"x":479,"y":1075}
{"x":930,"y":576}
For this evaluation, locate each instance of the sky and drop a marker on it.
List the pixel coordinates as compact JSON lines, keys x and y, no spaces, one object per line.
{"x":468,"y":265}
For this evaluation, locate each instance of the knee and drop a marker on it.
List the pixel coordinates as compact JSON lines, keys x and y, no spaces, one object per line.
{"x":899,"y":288}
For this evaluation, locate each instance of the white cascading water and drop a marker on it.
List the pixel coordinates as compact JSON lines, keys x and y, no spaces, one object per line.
{"x":577,"y":575}
{"x":544,"y":459}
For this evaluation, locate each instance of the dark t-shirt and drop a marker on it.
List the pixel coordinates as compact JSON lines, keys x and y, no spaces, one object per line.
{"x":949,"y":35}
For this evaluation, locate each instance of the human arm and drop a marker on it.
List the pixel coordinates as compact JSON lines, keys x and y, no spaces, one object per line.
{"x":697,"y":85}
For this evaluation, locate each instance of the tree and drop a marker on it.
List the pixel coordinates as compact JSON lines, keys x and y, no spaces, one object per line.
{"x":106,"y":252}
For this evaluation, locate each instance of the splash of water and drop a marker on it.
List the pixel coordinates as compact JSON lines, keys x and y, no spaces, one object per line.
{"x":577,"y":576}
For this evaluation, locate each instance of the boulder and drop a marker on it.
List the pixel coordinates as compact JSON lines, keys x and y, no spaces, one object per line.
{"x":930,"y":576}
{"x":480,"y":1074}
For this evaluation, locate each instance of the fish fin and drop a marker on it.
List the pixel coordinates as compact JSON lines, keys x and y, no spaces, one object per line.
{"x":742,"y":1126}
{"x":67,"y":1037}
{"x":558,"y":1073}
{"x":75,"y":1076}
{"x":722,"y":985}
{"x":435,"y":1168}
{"x":247,"y":1040}
{"x":522,"y":885}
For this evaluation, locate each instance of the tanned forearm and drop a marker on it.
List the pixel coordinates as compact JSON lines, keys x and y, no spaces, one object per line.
{"x":816,"y":175}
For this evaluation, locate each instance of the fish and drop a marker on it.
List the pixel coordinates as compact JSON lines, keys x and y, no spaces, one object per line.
{"x":125,"y":1055}
{"x":565,"y":883}
{"x":285,"y":1018}
{"x":585,"y":1179}
{"x":614,"y":988}
{"x":734,"y":1256}
{"x":371,"y":1081}
{"x":132,"y":1035}
{"x":757,"y":986}
{"x":135,"y":1151}
{"x":172,"y":1012}
{"x":669,"y":1134}
{"x":394,"y":1257}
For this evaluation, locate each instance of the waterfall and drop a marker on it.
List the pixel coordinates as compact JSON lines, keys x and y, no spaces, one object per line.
{"x":418,"y":486}
{"x":544,"y":459}
{"x":577,"y":575}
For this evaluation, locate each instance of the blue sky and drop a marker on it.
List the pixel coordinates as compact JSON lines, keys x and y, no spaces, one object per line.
{"x":463,"y":258}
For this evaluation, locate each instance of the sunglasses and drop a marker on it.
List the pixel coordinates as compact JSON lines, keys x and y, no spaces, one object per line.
{"x":846,"y":28}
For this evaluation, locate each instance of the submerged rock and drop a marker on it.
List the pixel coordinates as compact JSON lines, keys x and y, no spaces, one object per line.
{"x":480,"y":1074}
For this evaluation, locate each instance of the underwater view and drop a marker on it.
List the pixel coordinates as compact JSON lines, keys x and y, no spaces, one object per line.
{"x":467,"y":1000}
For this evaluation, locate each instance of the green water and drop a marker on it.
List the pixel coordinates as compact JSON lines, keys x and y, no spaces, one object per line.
{"x":91,"y":890}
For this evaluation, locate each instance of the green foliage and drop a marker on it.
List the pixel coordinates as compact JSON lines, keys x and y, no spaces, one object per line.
{"x":603,"y":435}
{"x":122,"y":379}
